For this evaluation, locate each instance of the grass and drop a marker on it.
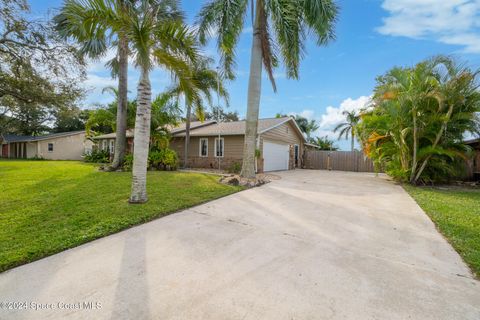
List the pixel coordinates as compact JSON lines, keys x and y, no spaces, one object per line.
{"x":50,"y":206}
{"x":456,"y":213}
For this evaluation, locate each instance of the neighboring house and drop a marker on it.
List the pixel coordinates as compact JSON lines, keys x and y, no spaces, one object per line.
{"x":55,"y":146}
{"x":473,"y":166}
{"x":280,"y":142}
{"x":107,"y":141}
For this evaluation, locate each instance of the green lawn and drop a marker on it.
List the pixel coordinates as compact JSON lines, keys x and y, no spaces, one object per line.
{"x":456,"y":213}
{"x":49,"y":206}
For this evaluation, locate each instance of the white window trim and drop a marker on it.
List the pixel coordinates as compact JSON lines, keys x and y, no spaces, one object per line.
{"x":215,"y":148}
{"x":111,"y":146}
{"x":200,"y":147}
{"x":104,"y":144}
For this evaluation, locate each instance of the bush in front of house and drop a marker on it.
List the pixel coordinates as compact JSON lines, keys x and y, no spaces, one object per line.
{"x":163,"y":159}
{"x":97,"y":156}
{"x":160,"y":159}
{"x":235,"y":168}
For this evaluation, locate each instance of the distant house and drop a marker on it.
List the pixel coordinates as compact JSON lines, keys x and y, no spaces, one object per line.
{"x":280,"y":142}
{"x":473,"y":166}
{"x":107,"y":141}
{"x":55,"y":146}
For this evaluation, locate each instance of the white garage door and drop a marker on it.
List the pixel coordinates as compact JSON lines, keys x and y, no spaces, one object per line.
{"x":275,"y":156}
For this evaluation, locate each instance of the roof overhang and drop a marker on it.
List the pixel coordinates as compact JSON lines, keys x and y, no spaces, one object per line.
{"x":295,"y":125}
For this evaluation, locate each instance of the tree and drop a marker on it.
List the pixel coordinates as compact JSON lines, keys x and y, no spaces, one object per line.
{"x":324,"y":143}
{"x":70,"y":119}
{"x":291,"y":21}
{"x":221,"y":115}
{"x":306,"y":126}
{"x":197,"y":88}
{"x":39,"y":71}
{"x":99,"y":25}
{"x":420,"y":114}
{"x":348,"y":127}
{"x":154,"y":41}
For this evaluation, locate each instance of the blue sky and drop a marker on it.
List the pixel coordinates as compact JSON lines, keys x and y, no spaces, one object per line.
{"x":372,"y":37}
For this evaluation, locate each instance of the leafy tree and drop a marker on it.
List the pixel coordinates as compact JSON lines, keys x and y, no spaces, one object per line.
{"x":280,"y":29}
{"x":349,"y":126}
{"x":324,"y":143}
{"x":218,"y":113}
{"x":70,"y":119}
{"x":420,"y":114}
{"x":39,"y":72}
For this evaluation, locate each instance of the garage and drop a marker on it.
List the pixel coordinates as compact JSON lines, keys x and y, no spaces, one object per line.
{"x":275,"y":156}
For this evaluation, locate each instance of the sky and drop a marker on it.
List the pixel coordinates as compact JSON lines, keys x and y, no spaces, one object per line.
{"x":372,"y":36}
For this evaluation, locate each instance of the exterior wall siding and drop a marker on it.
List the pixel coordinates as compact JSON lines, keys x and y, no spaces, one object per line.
{"x":285,"y":133}
{"x":233,"y":150}
{"x":64,"y":148}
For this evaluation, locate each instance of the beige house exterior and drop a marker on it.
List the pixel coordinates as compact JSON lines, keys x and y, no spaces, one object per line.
{"x":280,"y":142}
{"x":56,"y":146}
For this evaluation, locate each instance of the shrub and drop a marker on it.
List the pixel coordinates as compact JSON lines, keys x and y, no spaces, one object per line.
{"x":164,"y":159}
{"x":97,"y":156}
{"x":235,"y":168}
{"x":127,"y":162}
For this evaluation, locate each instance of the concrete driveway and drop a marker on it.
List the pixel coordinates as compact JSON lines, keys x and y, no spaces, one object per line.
{"x":312,"y":245}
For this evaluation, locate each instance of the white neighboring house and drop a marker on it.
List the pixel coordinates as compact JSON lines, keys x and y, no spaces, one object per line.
{"x":55,"y":146}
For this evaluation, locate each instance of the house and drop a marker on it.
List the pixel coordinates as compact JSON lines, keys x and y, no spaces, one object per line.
{"x":107,"y":141}
{"x":55,"y":146}
{"x":473,"y":165}
{"x":212,"y":145}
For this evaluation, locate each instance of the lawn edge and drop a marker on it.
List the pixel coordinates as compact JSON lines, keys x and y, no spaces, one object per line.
{"x":473,"y":274}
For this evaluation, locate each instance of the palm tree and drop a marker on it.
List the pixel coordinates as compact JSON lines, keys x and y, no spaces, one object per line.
{"x":99,"y":25}
{"x":154,"y":41}
{"x":291,"y":21}
{"x":348,"y":127}
{"x":197,"y":87}
{"x":324,"y":143}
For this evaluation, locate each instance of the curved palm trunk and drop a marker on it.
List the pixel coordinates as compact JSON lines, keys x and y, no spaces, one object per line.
{"x":253,"y":104}
{"x":141,"y":139}
{"x":415,"y":148}
{"x":187,"y":135}
{"x":435,"y":143}
{"x":121,"y":140}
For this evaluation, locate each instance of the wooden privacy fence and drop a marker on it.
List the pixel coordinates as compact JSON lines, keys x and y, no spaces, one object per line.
{"x":338,"y":160}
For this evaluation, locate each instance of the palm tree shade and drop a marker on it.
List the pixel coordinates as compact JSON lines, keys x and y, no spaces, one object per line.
{"x":280,"y":29}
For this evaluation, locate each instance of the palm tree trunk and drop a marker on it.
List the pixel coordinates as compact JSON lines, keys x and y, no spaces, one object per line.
{"x":187,"y":135}
{"x":141,"y":139}
{"x":121,"y":139}
{"x":253,"y":102}
{"x":353,"y":140}
{"x":415,"y":147}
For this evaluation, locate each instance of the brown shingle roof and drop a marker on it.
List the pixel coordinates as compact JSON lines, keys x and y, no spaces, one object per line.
{"x":231,"y":128}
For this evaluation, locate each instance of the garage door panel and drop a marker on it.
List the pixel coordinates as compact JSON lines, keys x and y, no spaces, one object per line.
{"x":275,"y":156}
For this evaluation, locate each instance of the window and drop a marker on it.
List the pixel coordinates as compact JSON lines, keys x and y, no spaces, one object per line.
{"x":219,"y":147}
{"x":50,"y":147}
{"x":203,"y":147}
{"x":112,"y":146}
{"x":104,"y":145}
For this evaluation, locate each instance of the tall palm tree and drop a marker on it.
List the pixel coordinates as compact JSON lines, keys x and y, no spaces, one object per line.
{"x":291,"y":21}
{"x":153,"y":41}
{"x":197,"y":87}
{"x":348,"y":127}
{"x":99,"y":25}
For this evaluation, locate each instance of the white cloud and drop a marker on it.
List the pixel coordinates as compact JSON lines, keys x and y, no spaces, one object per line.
{"x":333,"y":116}
{"x":447,"y":21}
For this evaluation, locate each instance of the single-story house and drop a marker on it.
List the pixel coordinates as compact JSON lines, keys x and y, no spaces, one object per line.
{"x":107,"y":141}
{"x":473,"y":165}
{"x":212,"y":144}
{"x":55,"y":146}
{"x":280,"y":142}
